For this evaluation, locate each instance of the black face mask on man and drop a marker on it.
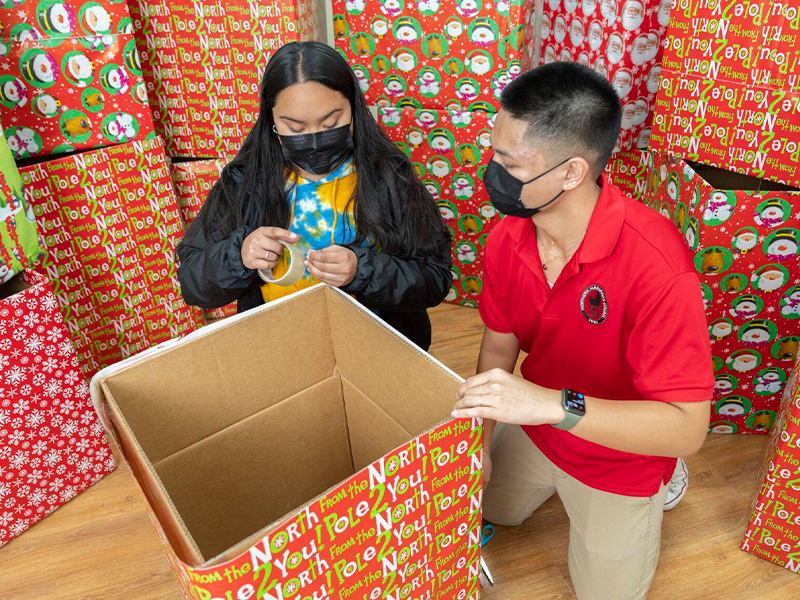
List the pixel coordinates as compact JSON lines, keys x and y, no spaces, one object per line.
{"x":505,"y":190}
{"x":318,"y":153}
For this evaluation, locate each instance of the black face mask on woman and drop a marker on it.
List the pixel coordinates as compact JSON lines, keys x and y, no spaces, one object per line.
{"x":505,"y":190}
{"x":318,"y":153}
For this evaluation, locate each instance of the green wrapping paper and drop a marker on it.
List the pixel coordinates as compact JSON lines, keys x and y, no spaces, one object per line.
{"x":19,"y":240}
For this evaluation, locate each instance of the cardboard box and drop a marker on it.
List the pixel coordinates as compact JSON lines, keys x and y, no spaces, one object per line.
{"x":109,"y":222}
{"x":19,"y":241}
{"x":774,"y":527}
{"x":745,"y":246}
{"x":64,"y":94}
{"x":621,"y":40}
{"x":450,"y":150}
{"x":302,"y":448}
{"x":203,"y":63}
{"x":193,"y":182}
{"x":51,"y":443}
{"x":432,"y":54}
{"x":730,"y":93}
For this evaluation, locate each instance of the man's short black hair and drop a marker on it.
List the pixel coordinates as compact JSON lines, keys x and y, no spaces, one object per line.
{"x":570,"y":107}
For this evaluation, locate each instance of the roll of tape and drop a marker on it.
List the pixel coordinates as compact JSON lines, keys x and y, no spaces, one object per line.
{"x":295,"y":271}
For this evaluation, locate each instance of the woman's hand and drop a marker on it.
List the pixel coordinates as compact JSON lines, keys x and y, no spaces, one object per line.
{"x":334,"y":265}
{"x":499,"y":395}
{"x":261,"y":248}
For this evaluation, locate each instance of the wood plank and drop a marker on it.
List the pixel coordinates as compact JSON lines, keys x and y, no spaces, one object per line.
{"x":101,"y":545}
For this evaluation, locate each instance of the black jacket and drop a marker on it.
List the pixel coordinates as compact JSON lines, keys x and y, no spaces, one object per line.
{"x":212,"y":275}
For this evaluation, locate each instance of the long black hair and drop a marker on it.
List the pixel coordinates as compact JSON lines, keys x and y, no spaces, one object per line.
{"x":404,"y":223}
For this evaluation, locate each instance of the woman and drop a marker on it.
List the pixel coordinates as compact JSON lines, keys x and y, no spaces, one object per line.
{"x":317,"y":170}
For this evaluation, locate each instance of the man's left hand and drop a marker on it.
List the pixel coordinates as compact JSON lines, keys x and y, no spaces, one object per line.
{"x":501,"y":396}
{"x":335,"y":265}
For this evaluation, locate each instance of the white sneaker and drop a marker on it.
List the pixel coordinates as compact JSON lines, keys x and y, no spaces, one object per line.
{"x":677,"y":486}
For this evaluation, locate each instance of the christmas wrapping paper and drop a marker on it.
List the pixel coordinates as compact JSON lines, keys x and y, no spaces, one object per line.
{"x":203,"y":63}
{"x":109,"y":222}
{"x":773,"y":532}
{"x":71,"y":77}
{"x":450,"y":151}
{"x":193,"y":181}
{"x":620,"y":39}
{"x":52,"y":445}
{"x":730,"y":95}
{"x":745,"y":247}
{"x":19,"y":241}
{"x":435,"y":54}
{"x":407,"y":526}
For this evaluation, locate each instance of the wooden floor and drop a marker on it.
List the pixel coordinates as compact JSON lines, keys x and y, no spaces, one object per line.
{"x":102,"y":546}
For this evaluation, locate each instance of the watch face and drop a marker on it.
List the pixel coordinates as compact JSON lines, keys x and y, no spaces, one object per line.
{"x":575,"y":402}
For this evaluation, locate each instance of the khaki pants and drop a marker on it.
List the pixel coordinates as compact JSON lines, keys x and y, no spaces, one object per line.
{"x":613,"y":540}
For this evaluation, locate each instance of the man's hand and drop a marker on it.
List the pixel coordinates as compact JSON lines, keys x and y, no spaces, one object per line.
{"x":500,"y":396}
{"x":334,"y":265}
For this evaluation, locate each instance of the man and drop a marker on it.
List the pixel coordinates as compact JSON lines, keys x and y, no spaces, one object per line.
{"x":601,"y":292}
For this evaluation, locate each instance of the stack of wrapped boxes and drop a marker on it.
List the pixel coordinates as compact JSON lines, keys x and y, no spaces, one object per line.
{"x":203,"y":63}
{"x":436,"y":70}
{"x":734,"y":108}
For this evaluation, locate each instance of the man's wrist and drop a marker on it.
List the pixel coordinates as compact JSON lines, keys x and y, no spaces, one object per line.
{"x":557,"y":414}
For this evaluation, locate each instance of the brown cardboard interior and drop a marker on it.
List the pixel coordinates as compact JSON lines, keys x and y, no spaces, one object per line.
{"x":236,"y":429}
{"x":13,"y":286}
{"x":723,"y":179}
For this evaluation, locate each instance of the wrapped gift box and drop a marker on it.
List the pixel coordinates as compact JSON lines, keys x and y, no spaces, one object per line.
{"x":622,"y":40}
{"x":22,"y":20}
{"x":203,"y":63}
{"x":346,"y":478}
{"x":193,"y":182}
{"x":63,"y":94}
{"x":774,"y":527}
{"x":52,"y":446}
{"x":730,"y":94}
{"x":433,"y":54}
{"x":19,"y":242}
{"x":109,"y":221}
{"x":745,"y":246}
{"x":450,"y":150}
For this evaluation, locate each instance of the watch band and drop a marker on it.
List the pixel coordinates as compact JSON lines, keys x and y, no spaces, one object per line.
{"x":571,"y":418}
{"x":569,"y":421}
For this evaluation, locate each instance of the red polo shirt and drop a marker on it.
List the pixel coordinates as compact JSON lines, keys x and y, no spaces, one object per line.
{"x":624,"y":321}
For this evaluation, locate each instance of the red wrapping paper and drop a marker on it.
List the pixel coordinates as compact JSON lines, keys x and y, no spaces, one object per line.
{"x":71,"y":77}
{"x":450,"y":150}
{"x":203,"y":63}
{"x":109,"y":222}
{"x":774,"y":527}
{"x":730,"y":94}
{"x":745,"y":247}
{"x":193,"y":182}
{"x":437,"y":54}
{"x":52,"y":445}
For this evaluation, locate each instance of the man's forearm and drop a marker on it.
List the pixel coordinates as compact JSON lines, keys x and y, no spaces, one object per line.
{"x":642,"y":427}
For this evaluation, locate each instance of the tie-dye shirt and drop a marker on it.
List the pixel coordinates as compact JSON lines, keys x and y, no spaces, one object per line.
{"x":320,"y":216}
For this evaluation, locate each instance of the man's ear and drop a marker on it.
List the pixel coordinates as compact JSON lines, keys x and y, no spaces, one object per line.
{"x":578,"y":170}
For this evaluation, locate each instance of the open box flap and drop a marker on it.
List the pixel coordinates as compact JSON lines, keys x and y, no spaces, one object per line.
{"x":449,"y":381}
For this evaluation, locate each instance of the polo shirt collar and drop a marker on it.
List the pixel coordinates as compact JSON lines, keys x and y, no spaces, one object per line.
{"x":601,"y":234}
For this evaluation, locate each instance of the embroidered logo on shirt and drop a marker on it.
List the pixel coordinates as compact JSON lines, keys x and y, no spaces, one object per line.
{"x":594,"y":305}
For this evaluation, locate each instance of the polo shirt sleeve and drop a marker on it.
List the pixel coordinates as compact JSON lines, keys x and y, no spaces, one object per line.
{"x":492,"y":306}
{"x":669,"y":349}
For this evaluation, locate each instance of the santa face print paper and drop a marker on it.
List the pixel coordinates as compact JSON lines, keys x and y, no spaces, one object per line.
{"x":436,"y":54}
{"x":450,"y":151}
{"x":71,"y":78}
{"x":745,"y":251}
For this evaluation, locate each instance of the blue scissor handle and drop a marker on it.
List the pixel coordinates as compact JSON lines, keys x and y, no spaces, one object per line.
{"x":487,"y":533}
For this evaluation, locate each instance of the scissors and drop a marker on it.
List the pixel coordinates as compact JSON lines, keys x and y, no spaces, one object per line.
{"x":487,"y":533}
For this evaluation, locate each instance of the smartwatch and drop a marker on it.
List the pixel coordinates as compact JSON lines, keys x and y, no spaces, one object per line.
{"x":574,"y":404}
